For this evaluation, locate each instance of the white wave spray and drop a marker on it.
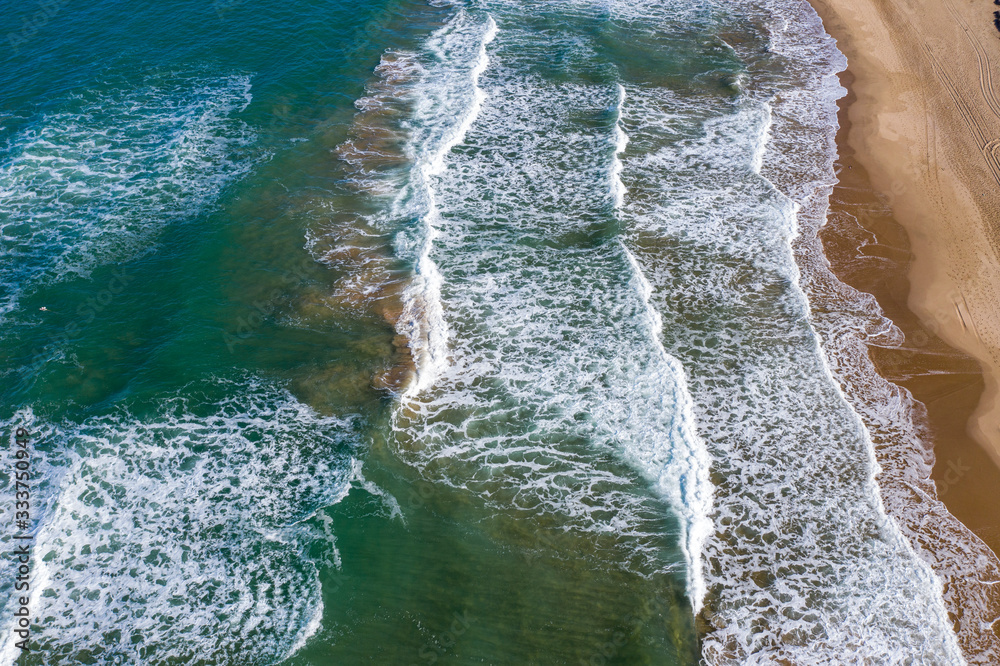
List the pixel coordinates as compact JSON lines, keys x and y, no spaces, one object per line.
{"x":422,"y":320}
{"x":686,"y":484}
{"x":192,"y":549}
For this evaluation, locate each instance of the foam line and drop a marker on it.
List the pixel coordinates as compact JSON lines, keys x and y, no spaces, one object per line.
{"x":686,"y":484}
{"x":554,"y":402}
{"x":805,"y":564}
{"x":957,"y":563}
{"x":422,"y":320}
{"x":618,"y":190}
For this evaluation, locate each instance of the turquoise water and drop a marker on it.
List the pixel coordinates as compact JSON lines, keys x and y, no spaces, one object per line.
{"x":409,"y":333}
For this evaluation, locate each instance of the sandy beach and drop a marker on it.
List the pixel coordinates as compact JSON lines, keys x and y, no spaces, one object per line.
{"x":924,"y":138}
{"x":915,"y":221}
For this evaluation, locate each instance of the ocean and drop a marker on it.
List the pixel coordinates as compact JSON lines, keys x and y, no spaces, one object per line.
{"x":408,"y":332}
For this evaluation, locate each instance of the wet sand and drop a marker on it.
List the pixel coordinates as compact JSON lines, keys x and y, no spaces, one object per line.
{"x":915,"y":220}
{"x":870,"y":250}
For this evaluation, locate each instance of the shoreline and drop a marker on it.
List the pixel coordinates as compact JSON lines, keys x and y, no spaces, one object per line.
{"x":909,"y":223}
{"x":869,"y":249}
{"x":920,"y":150}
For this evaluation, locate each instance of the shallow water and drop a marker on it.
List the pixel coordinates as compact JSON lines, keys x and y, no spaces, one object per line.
{"x":448,"y":332}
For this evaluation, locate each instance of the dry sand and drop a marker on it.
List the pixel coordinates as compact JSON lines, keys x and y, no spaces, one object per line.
{"x":925,"y":133}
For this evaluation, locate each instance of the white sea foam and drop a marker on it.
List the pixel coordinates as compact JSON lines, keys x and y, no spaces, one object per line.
{"x":805,"y":564}
{"x":685,"y":483}
{"x":179,"y":534}
{"x":374,"y":149}
{"x":448,"y":101}
{"x":618,"y":189}
{"x":416,"y":111}
{"x":558,"y":408}
{"x":555,"y":369}
{"x":96,"y":182}
{"x":799,"y":162}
